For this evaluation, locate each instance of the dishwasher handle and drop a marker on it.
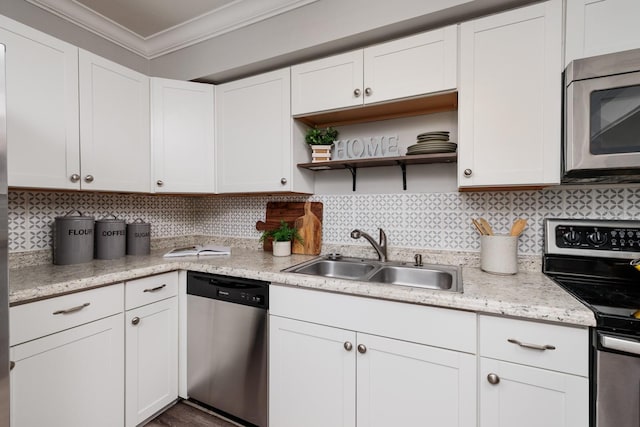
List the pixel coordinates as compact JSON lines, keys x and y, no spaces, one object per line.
{"x":237,"y":290}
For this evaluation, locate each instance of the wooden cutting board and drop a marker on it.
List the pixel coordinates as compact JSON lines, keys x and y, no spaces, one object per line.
{"x":308,"y":223}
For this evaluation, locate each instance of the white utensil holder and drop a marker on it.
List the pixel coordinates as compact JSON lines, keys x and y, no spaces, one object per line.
{"x":499,"y":254}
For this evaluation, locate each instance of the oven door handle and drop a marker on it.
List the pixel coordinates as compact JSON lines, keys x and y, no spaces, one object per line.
{"x":620,"y":344}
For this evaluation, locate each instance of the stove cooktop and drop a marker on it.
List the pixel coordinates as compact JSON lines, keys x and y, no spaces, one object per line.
{"x":590,"y":259}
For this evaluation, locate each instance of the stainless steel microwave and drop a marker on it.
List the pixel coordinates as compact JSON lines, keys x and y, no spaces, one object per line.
{"x":602,"y":119}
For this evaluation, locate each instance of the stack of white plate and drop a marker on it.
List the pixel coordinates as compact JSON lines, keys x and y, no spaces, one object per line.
{"x":432,"y":142}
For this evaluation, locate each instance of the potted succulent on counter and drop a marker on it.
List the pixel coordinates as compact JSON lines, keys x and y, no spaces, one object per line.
{"x":282,"y":238}
{"x":321,"y":141}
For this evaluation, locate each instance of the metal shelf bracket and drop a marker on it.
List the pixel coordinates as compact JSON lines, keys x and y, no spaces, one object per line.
{"x":354,"y":172}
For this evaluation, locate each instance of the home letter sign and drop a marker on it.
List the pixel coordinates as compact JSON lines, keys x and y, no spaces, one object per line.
{"x":367,"y":147}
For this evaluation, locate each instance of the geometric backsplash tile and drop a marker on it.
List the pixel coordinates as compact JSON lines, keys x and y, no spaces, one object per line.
{"x":440,"y":221}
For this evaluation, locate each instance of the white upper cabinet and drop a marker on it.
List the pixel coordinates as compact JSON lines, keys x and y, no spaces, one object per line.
{"x":407,"y":67}
{"x":182,"y":136}
{"x":254,"y":151}
{"x":42,"y":108}
{"x":114,"y":126}
{"x":509,"y":113}
{"x":596,"y":27}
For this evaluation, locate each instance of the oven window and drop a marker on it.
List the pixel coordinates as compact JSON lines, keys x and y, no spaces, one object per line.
{"x":615,"y":120}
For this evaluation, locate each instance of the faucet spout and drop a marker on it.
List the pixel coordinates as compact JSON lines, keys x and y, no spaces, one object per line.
{"x":380,"y":248}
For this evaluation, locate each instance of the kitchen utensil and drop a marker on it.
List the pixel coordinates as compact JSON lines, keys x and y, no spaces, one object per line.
{"x":287,"y":211}
{"x":486,"y":227}
{"x":499,"y":254}
{"x":310,"y":229}
{"x":478,"y":227}
{"x":518,"y":226}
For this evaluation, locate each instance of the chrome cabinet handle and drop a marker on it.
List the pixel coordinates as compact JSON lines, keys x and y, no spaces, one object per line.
{"x":159,"y":183}
{"x":362,"y":348}
{"x":88,"y":178}
{"x":72,"y":309}
{"x":357,"y":93}
{"x":368,"y":91}
{"x":348,"y":346}
{"x":12,"y":365}
{"x":468,"y":172}
{"x":157,"y":288}
{"x":74,"y":178}
{"x":493,"y":378}
{"x":135,"y":320}
{"x":532,"y":346}
{"x":283,"y":181}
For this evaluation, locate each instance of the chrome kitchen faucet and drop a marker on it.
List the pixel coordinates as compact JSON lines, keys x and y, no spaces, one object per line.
{"x":381,"y":248}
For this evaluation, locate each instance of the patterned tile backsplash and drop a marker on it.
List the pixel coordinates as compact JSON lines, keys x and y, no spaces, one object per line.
{"x":439,"y":221}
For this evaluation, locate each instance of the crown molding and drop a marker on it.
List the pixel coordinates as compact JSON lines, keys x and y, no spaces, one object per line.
{"x":233,"y":16}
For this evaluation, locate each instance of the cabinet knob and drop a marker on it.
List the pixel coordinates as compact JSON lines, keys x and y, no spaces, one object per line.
{"x":348,"y":346}
{"x":159,"y":183}
{"x":357,"y":93}
{"x":283,"y":181}
{"x":468,"y":172}
{"x":368,"y":91}
{"x":75,"y":177}
{"x":493,"y":378}
{"x":362,"y":348}
{"x":135,"y":320}
{"x":88,"y":178}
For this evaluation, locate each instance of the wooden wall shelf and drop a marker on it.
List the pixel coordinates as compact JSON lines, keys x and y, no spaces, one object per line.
{"x":354,"y":164}
{"x":383,"y":111}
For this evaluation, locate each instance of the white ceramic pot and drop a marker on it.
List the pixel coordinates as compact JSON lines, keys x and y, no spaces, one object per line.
{"x":281,"y":248}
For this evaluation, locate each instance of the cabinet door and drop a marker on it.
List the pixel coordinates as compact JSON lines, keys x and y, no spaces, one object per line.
{"x":312,"y":376}
{"x":74,"y":378}
{"x":114,"y":126}
{"x":596,"y":27}
{"x":531,"y":397}
{"x":151,"y":359}
{"x":510,"y":98}
{"x":42,"y":108}
{"x":328,"y":83}
{"x":182,"y":136}
{"x":411,"y":66}
{"x":253,"y":128}
{"x":406,"y":384}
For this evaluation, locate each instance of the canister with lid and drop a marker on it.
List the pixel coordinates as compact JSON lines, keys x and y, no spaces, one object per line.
{"x":73,"y":238}
{"x":110,"y":238}
{"x":138,"y":237}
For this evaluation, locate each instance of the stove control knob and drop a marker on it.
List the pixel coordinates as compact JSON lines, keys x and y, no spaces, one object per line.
{"x":598,"y":238}
{"x":571,"y":237}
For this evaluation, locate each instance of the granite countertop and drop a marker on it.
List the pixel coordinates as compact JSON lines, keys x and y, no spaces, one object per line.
{"x":529,"y":295}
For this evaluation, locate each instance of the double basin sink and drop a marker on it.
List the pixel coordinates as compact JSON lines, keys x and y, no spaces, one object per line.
{"x":427,"y":276}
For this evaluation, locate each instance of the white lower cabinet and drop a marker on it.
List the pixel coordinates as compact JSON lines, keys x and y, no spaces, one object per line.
{"x":323,"y":375}
{"x":72,"y":378}
{"x":151,"y":346}
{"x":533,"y":374}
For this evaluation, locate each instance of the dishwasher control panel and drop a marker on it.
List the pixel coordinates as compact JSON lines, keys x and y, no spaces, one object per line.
{"x":237,"y":290}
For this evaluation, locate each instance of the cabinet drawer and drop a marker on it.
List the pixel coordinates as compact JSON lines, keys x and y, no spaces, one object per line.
{"x":150,"y":289}
{"x":522,"y":342}
{"x":40,"y":318}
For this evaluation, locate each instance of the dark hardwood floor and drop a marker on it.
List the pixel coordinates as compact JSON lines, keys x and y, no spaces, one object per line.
{"x":185,"y":415}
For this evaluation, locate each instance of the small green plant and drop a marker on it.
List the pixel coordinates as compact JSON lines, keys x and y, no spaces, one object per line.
{"x":317,"y":136}
{"x":284,"y":233}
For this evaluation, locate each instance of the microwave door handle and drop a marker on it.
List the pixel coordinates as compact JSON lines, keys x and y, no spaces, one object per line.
{"x":620,"y":344}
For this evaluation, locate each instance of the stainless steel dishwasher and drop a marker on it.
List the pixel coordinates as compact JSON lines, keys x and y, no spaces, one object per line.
{"x":227,"y":345}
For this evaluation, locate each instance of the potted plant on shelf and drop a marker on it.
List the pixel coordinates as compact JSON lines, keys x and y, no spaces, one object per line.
{"x":282,"y":237}
{"x":321,"y":141}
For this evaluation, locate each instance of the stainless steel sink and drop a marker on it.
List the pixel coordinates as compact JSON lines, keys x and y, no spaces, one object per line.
{"x":414,"y":276}
{"x":339,"y":269}
{"x":428,"y":276}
